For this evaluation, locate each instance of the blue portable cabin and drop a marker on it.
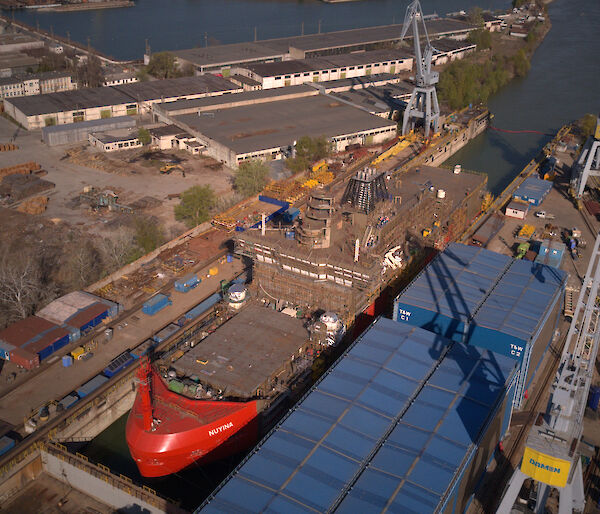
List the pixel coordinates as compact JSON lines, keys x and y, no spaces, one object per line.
{"x":444,"y":296}
{"x":404,"y":415}
{"x":90,"y":386}
{"x":156,"y":304}
{"x":184,"y":284}
{"x":550,"y":253}
{"x":165,"y":333}
{"x":203,"y":306}
{"x":118,"y":364}
{"x":533,"y":191}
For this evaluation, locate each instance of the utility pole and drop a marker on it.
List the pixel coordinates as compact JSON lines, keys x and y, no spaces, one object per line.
{"x":206,"y":39}
{"x":255,"y":33}
{"x":302,"y":33}
{"x":319,"y":27}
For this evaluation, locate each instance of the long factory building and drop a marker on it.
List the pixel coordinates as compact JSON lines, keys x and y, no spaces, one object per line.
{"x":407,"y":420}
{"x":222,"y":58}
{"x":38,"y":111}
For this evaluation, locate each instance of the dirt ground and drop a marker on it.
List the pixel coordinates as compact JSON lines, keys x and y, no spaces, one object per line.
{"x":132,"y":177}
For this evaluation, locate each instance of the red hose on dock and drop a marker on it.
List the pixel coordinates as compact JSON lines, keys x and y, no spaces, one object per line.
{"x":520,"y":131}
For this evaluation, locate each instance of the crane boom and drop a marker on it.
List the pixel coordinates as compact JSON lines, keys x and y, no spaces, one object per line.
{"x":552,"y":453}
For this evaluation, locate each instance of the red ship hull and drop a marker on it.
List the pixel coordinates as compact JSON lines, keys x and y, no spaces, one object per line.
{"x":185,"y":431}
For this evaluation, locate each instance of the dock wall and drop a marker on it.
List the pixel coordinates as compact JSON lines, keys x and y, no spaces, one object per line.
{"x":114,"y":491}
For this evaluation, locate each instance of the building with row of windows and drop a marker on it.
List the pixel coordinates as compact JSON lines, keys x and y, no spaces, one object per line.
{"x":36,"y":84}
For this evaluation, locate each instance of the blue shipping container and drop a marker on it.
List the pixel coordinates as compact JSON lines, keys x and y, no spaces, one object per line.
{"x":90,"y":386}
{"x":6,"y":444}
{"x":183,"y":285}
{"x":165,"y":333}
{"x":155,"y":304}
{"x":202,"y":307}
{"x":69,"y":400}
{"x":117,"y":364}
{"x":143,"y":349}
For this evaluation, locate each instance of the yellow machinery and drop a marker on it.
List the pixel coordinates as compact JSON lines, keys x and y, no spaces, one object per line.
{"x":168,"y":168}
{"x":320,"y":166}
{"x":403,"y":142}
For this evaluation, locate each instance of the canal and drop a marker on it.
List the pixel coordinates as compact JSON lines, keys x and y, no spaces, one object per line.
{"x":563,"y":84}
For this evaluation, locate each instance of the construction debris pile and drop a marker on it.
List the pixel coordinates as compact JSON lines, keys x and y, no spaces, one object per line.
{"x":14,"y":188}
{"x":151,"y":276}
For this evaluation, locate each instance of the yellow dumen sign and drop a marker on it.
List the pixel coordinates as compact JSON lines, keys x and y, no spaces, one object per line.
{"x":544,"y":468}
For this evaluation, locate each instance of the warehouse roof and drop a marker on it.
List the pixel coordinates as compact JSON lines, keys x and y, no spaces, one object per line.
{"x":182,"y":86}
{"x":278,"y":48}
{"x":92,"y":125}
{"x":118,"y":95}
{"x":24,"y":330}
{"x":65,"y":101}
{"x":456,"y":281}
{"x":237,"y":99}
{"x":276,"y":124}
{"x":325,"y":63}
{"x":448,"y":45}
{"x":533,"y":188}
{"x":376,"y":79}
{"x":391,"y":421}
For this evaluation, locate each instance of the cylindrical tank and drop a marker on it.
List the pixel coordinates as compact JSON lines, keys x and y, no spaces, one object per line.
{"x":441,"y":193}
{"x":331,"y":321}
{"x":457,"y":169}
{"x":237,"y":295}
{"x":229,"y":257}
{"x":108,"y":334}
{"x":67,"y":360}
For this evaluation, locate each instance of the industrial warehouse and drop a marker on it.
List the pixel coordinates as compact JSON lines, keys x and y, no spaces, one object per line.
{"x":66,"y":107}
{"x":221,"y":58}
{"x":269,"y":130}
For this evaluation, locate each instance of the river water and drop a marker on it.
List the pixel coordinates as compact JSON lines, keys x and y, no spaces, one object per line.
{"x":563,"y":84}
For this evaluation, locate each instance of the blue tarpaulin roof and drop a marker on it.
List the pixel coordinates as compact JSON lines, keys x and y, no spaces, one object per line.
{"x":521,"y":299}
{"x":533,"y":190}
{"x":391,"y":421}
{"x":456,"y":281}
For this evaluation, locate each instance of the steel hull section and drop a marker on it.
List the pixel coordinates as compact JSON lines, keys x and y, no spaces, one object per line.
{"x":190,"y":431}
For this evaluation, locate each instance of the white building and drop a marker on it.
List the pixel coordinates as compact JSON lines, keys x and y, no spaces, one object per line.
{"x":332,"y":67}
{"x":118,"y":78}
{"x":171,"y":137}
{"x":36,"y":84}
{"x":118,"y":140}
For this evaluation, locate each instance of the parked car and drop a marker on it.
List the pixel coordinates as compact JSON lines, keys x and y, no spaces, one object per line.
{"x":544,"y":215}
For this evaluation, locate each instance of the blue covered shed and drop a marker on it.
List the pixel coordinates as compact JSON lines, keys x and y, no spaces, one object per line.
{"x":509,"y":306}
{"x":533,"y":190}
{"x":449,"y":290}
{"x":398,"y":421}
{"x":551,"y":253}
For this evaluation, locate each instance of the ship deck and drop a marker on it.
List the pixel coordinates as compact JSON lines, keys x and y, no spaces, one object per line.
{"x":246,"y":352}
{"x":412,"y":186}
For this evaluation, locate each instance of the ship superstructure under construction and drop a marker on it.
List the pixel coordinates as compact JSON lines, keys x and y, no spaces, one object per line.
{"x":353,"y":238}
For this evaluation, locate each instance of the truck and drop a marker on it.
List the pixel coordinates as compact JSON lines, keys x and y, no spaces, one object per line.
{"x":544,"y":215}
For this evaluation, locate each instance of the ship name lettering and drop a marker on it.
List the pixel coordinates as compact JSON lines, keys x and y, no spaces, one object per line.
{"x":220,"y":429}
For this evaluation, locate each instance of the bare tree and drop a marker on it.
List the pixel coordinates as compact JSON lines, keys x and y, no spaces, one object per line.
{"x":20,"y":286}
{"x":118,"y":248}
{"x":85,"y":265}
